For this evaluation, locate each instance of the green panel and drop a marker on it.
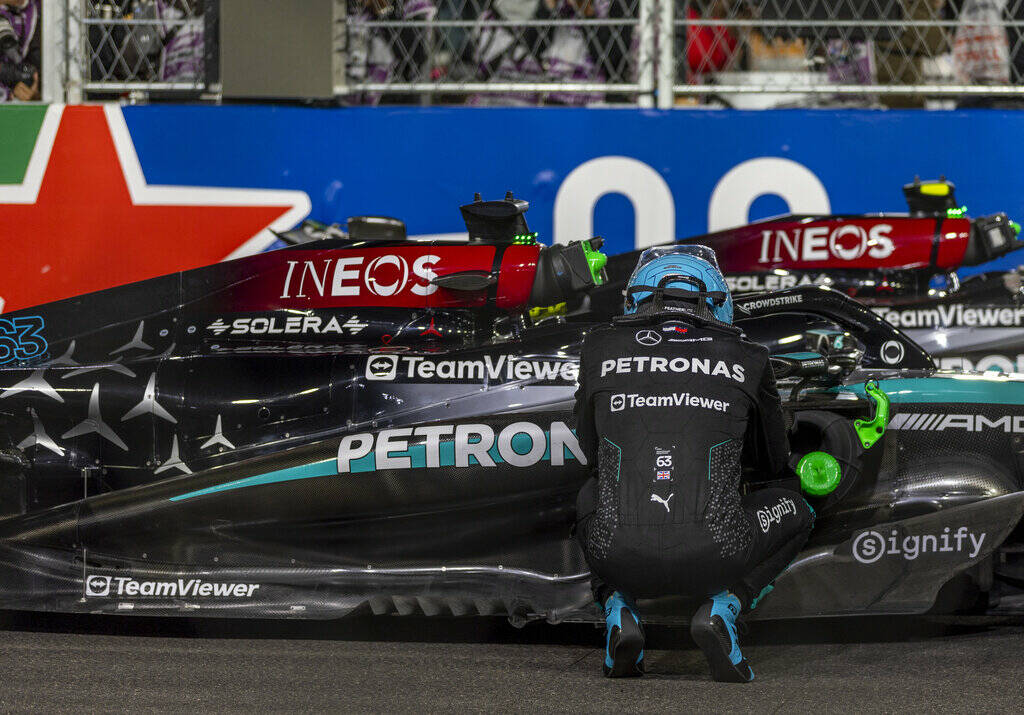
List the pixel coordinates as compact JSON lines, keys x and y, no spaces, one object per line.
{"x":970,"y":389}
{"x":19,"y":127}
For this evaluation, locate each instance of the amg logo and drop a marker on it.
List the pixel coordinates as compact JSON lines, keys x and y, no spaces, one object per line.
{"x":971,"y":423}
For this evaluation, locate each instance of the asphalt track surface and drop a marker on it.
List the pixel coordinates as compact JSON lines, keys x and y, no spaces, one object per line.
{"x":88,"y":664}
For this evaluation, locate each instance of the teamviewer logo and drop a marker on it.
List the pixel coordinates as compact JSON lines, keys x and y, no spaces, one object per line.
{"x":618,"y":403}
{"x":97,"y":586}
{"x":382,"y":367}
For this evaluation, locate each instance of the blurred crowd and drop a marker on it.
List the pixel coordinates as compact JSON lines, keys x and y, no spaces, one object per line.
{"x":724,"y":42}
{"x":553,"y":43}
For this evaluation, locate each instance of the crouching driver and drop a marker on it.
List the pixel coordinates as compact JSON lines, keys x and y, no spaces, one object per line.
{"x":673,"y":402}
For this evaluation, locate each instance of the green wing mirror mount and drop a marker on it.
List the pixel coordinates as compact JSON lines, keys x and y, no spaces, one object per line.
{"x":870,"y":431}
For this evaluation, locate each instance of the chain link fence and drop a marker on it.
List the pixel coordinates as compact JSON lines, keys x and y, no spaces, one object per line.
{"x":740,"y":53}
{"x":141,"y":46}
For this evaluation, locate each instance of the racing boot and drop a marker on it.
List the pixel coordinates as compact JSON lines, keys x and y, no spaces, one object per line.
{"x":624,"y":639}
{"x":714,"y":629}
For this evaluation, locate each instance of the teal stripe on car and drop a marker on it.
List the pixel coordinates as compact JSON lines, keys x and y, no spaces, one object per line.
{"x":970,"y":389}
{"x":325,"y":468}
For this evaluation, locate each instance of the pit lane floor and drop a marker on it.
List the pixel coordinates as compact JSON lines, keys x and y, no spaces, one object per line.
{"x":63,"y":663}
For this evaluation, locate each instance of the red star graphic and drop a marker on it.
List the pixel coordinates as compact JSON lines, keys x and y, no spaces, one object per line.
{"x":85,"y":232}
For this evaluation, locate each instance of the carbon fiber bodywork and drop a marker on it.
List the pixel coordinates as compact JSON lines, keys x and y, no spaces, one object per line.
{"x":161,"y":457}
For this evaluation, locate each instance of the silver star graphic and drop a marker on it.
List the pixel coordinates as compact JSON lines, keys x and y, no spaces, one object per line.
{"x":217,"y":438}
{"x":39,"y":438}
{"x":94,"y":423}
{"x":148,"y":405}
{"x":113,"y":365}
{"x":65,"y":359}
{"x":174,"y":461}
{"x":136,"y":343}
{"x":33,"y":383}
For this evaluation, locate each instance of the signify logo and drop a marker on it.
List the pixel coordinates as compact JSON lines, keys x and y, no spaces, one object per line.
{"x":111,"y":586}
{"x":773,"y":514}
{"x":871,"y":546}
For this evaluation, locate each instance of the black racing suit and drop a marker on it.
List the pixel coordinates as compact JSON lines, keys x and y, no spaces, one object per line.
{"x":670,"y":411}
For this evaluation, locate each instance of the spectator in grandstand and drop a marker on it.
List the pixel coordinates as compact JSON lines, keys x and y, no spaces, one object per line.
{"x":383,"y":55}
{"x":900,"y":60}
{"x":709,"y":48}
{"x":981,"y":49}
{"x":20,"y":52}
{"x":565,"y":53}
{"x":181,"y":54}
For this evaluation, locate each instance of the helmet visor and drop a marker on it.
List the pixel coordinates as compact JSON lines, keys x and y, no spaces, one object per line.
{"x":694,"y":249}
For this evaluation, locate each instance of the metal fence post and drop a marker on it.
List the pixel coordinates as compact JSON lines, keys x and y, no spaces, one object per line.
{"x":646,"y":52}
{"x":74,"y":51}
{"x":53,"y":39}
{"x":666,"y":53}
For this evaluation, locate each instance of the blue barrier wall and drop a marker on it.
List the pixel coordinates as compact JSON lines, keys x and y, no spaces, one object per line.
{"x":419,"y":164}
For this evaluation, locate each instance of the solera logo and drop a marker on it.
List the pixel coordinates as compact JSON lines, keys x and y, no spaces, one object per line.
{"x":846,"y":242}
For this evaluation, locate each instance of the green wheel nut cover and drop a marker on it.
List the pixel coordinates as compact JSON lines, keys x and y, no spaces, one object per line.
{"x":819,"y":473}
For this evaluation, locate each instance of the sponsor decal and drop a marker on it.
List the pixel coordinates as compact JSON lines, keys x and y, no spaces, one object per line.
{"x":664,"y":502}
{"x":773,"y":514}
{"x":931,"y":422}
{"x":116,"y":586}
{"x":698,"y":366}
{"x":675,"y":329}
{"x":22,"y":338}
{"x":749,"y":306}
{"x":649,"y":338}
{"x":846,"y":242}
{"x":985,"y":363}
{"x":352,"y":276}
{"x":620,"y":402}
{"x":871,"y":546}
{"x":763,"y":282}
{"x":955,"y":315}
{"x":892,"y":352}
{"x":499,"y":368}
{"x":291,"y":325}
{"x":521,"y":444}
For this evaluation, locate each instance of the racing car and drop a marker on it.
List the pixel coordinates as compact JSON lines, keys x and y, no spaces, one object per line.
{"x":907,"y":267}
{"x":371,"y":424}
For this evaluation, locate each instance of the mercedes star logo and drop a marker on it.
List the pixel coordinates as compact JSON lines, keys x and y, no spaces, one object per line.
{"x":648,"y":337}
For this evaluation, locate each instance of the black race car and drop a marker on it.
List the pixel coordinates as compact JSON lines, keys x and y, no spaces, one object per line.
{"x":369,"y":423}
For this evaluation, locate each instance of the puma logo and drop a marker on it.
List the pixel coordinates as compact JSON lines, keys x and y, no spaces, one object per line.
{"x":663,"y":502}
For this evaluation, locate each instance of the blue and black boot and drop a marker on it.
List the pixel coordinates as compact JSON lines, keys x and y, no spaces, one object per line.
{"x":624,"y":639}
{"x":714,"y":629}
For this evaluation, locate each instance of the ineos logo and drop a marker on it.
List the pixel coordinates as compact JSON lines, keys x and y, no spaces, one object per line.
{"x":648,"y":337}
{"x":97,"y":586}
{"x":387,"y":289}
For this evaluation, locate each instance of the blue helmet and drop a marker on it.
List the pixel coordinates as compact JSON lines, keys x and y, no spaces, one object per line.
{"x":690,"y":268}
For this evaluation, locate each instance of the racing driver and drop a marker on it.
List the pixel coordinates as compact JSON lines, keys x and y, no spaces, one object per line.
{"x":679,"y":413}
